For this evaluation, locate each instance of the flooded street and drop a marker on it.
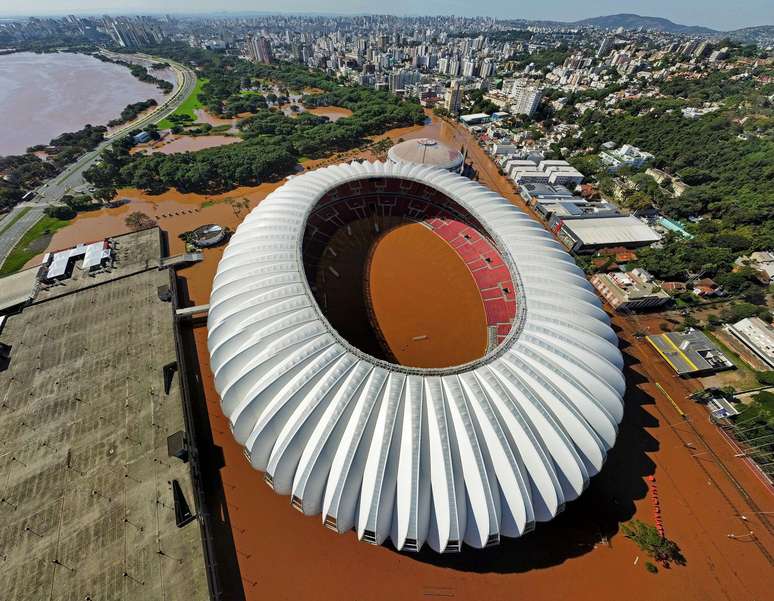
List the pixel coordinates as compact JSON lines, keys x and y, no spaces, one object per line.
{"x":44,"y":95}
{"x":582,"y":545}
{"x":203,"y":116}
{"x":176,"y":212}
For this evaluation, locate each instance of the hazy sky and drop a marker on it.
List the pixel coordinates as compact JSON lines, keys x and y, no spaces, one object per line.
{"x":719,"y":14}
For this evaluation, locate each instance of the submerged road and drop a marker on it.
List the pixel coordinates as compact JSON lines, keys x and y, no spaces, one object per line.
{"x":72,"y":176}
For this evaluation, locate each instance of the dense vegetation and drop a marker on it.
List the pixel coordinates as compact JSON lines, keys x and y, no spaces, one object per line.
{"x":34,"y":242}
{"x":139,"y":72}
{"x":649,"y":540}
{"x":273,"y":142}
{"x":542,"y":58}
{"x":67,"y":147}
{"x":22,"y":173}
{"x":219,"y":168}
{"x":756,"y":427}
{"x":54,"y":43}
{"x":481,"y":104}
{"x":712,"y":88}
{"x":132,"y":111}
{"x":726,"y":157}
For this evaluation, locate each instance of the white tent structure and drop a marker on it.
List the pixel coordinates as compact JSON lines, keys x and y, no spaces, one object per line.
{"x":437,"y":456}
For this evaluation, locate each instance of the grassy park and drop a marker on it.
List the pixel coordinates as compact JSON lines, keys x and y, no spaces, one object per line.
{"x":188,"y":106}
{"x":32,"y":243}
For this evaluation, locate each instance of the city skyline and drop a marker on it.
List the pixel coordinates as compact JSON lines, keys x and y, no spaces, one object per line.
{"x":720,"y":16}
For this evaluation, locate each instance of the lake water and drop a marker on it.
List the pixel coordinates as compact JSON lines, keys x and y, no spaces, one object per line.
{"x":44,"y":95}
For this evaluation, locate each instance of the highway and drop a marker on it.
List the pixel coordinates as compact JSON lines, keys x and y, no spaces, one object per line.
{"x":10,"y":236}
{"x":72,"y":176}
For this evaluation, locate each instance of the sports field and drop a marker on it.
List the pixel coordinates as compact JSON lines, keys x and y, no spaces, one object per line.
{"x":425,"y":300}
{"x":405,"y":276}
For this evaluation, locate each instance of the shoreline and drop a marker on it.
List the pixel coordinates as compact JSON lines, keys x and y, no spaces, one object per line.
{"x":111,"y":131}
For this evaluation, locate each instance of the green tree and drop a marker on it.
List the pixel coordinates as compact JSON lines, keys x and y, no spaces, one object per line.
{"x":139,"y":221}
{"x":649,"y":540}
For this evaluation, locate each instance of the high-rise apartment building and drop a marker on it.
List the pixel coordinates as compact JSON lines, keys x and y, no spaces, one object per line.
{"x":487,"y":68}
{"x":259,"y":50}
{"x":453,"y":98}
{"x":525,"y":99}
{"x":605,"y":47}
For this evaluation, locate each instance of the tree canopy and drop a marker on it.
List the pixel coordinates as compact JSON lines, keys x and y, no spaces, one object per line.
{"x":273,"y":142}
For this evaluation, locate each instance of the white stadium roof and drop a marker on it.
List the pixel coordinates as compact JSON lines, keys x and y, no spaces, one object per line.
{"x":426,"y":151}
{"x":435,"y":456}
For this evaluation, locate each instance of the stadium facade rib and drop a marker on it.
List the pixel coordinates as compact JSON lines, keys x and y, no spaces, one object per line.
{"x":466,"y":454}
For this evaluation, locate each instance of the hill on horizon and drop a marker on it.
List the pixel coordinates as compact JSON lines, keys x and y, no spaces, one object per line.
{"x":632,"y":21}
{"x":760,"y":34}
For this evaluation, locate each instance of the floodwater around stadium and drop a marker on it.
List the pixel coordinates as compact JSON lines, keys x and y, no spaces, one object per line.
{"x":425,"y":300}
{"x":582,"y":554}
{"x":44,"y":95}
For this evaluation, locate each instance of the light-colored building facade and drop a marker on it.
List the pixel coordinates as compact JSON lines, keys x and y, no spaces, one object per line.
{"x":586,"y":235}
{"x":259,"y":50}
{"x":757,"y":336}
{"x":525,"y":99}
{"x":626,"y":156}
{"x":630,"y":291}
{"x":453,"y":98}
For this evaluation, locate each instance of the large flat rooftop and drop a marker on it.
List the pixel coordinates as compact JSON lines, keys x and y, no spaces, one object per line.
{"x":690,"y":352}
{"x":134,"y":253}
{"x":611,"y":231}
{"x":86,"y":508}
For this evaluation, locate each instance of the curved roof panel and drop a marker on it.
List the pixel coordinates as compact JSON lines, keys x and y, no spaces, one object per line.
{"x":419,"y":456}
{"x":425,"y":151}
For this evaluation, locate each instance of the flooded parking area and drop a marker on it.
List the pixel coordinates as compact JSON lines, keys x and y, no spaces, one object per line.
{"x":174,"y":144}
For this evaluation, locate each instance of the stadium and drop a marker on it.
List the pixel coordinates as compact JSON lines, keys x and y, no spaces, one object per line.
{"x":426,"y":151}
{"x":330,"y":410}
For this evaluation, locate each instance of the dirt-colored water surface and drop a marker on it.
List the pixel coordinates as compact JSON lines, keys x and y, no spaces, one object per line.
{"x":173,"y":144}
{"x":334,"y":113}
{"x":426,"y":303}
{"x":708,"y":497}
{"x":203,"y":116}
{"x":44,"y":95}
{"x":175,"y":213}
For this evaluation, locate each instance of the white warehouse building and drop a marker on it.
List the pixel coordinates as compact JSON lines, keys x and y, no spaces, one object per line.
{"x":553,"y":172}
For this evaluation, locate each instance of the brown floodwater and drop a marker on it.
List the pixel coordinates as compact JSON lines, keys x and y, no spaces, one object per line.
{"x":203,"y":116}
{"x":173,"y":144}
{"x":44,"y":95}
{"x":175,"y":213}
{"x":580,"y":555}
{"x":334,"y":113}
{"x":419,"y":288}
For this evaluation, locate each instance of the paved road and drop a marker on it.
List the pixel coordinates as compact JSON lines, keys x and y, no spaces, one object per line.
{"x":52,"y":191}
{"x":13,"y":234}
